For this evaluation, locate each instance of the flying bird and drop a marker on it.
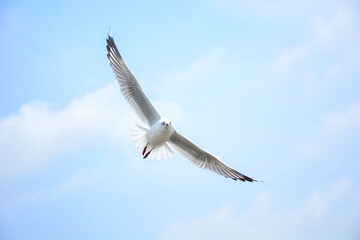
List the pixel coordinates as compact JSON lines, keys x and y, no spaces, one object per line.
{"x":161,"y":132}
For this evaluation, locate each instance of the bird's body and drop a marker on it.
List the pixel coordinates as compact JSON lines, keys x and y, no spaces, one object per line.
{"x":156,"y":138}
{"x":161,"y":132}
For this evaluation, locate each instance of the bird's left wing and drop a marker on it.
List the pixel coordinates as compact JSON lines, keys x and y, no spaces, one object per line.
{"x":129,"y":86}
{"x":204,"y":159}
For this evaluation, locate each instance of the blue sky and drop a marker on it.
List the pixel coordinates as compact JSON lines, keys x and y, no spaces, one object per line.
{"x":271,"y":87}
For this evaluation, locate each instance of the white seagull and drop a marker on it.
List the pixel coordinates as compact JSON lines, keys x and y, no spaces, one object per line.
{"x":161,"y":131}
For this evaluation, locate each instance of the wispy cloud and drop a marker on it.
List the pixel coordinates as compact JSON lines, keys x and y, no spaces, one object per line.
{"x":199,"y":70}
{"x":336,"y":34}
{"x":274,"y":10}
{"x":334,"y":126}
{"x":343,"y":121}
{"x":76,"y":181}
{"x":73,"y":183}
{"x":263,"y":221}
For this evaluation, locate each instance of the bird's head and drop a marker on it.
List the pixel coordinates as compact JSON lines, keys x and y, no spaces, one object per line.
{"x":166,"y":124}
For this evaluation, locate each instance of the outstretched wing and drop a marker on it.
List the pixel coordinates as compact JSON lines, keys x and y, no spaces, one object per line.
{"x":204,"y":159}
{"x":129,"y":86}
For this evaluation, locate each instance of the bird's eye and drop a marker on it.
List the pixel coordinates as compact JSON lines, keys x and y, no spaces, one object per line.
{"x":162,"y":124}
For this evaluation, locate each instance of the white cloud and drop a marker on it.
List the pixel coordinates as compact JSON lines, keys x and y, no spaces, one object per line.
{"x":279,"y":10}
{"x":39,"y":131}
{"x":78,"y":180}
{"x":198,"y":70}
{"x":319,"y":204}
{"x":339,"y":28}
{"x":334,"y":126}
{"x":288,"y":57}
{"x":309,"y":220}
{"x":341,"y":122}
{"x":215,"y":225}
{"x":327,"y":61}
{"x":336,"y":34}
{"x":73,"y":183}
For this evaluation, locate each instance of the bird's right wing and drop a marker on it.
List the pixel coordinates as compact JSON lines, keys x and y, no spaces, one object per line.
{"x":129,"y":86}
{"x":204,"y":159}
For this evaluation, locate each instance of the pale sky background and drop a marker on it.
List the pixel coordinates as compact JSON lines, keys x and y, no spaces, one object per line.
{"x":277,"y":82}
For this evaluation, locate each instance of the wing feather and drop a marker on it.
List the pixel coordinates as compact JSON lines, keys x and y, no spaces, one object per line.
{"x":204,"y":159}
{"x":129,"y":86}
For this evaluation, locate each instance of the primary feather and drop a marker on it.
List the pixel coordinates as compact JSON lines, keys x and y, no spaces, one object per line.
{"x":130,"y":87}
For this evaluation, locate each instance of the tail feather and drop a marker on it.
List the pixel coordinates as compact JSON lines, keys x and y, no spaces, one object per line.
{"x":139,"y":135}
{"x":162,"y":152}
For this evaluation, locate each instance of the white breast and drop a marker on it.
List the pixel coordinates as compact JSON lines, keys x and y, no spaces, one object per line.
{"x":158,"y":134}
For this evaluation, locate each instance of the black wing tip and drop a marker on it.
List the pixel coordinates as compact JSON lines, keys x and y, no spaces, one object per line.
{"x":111,"y":46}
{"x":244,"y":178}
{"x":254,"y":180}
{"x":109,"y":34}
{"x":109,"y":38}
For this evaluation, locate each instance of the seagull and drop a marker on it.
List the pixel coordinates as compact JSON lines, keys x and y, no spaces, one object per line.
{"x":161,"y":132}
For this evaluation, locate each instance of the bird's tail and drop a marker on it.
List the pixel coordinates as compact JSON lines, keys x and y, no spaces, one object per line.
{"x":139,"y":135}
